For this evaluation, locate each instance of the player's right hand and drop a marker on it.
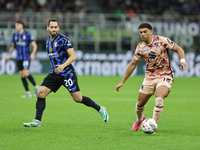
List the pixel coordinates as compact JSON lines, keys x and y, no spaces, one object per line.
{"x":183,"y":66}
{"x":119,"y":85}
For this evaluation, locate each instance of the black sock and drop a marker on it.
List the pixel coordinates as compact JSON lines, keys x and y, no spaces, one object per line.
{"x":30,"y":77}
{"x":40,"y":106}
{"x":88,"y":102}
{"x":25,"y":84}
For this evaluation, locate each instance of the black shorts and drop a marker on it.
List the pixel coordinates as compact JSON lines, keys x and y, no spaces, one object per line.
{"x":54,"y":81}
{"x":24,"y":64}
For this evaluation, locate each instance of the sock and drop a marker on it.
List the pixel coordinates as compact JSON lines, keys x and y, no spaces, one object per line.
{"x":40,"y":106}
{"x":25,"y":84}
{"x":139,"y":112}
{"x":158,"y":108}
{"x":88,"y":102}
{"x":30,"y":77}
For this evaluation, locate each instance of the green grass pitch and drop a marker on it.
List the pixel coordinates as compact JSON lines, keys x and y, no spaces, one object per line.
{"x":67,"y":125}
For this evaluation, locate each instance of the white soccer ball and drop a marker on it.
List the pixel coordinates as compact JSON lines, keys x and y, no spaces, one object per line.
{"x":149,"y":126}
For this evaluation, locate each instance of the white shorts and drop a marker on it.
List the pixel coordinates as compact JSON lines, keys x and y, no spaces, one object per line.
{"x":150,"y":85}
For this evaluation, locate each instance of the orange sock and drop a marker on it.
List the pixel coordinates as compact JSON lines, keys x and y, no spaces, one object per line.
{"x":158,"y":108}
{"x":139,"y":112}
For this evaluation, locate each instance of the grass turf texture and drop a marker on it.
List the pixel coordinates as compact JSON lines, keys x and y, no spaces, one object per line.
{"x":69,"y":125}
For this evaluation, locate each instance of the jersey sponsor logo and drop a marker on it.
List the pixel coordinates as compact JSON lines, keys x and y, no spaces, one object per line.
{"x":152,"y":55}
{"x":54,"y":55}
{"x":156,"y":44}
{"x":21,"y":43}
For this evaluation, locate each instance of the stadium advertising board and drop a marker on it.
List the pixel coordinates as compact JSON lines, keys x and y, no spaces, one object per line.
{"x":101,"y":64}
{"x":168,"y":28}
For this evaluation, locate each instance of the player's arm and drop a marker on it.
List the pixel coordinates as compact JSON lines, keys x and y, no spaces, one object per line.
{"x":131,"y":67}
{"x":34,"y":45}
{"x":10,"y":51}
{"x":72,"y":58}
{"x":181,"y":55}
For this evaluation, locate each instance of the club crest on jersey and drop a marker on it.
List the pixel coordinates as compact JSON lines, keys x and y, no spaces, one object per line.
{"x":55,"y":44}
{"x":24,"y":37}
{"x":20,"y":39}
{"x":51,"y":49}
{"x":144,"y":51}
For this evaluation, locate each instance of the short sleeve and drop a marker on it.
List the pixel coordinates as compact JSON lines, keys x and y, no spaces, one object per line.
{"x":13,"y":38}
{"x":169,"y":44}
{"x":30,"y":37}
{"x":67,"y":44}
{"x":137,"y":55}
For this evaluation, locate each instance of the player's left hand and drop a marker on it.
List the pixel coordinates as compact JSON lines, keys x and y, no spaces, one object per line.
{"x":119,"y":86}
{"x":183,"y":66}
{"x":32,"y":57}
{"x":58,"y":69}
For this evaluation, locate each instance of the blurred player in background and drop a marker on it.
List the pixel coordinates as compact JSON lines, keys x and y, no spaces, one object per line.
{"x":159,"y":74}
{"x":20,"y":41}
{"x":61,"y":54}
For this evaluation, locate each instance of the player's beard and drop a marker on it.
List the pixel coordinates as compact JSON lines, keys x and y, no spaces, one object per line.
{"x":53,"y":34}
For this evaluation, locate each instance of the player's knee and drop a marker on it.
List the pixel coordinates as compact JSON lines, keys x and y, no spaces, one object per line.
{"x":22,"y":76}
{"x":138,"y":104}
{"x":77,"y":99}
{"x":139,"y":107}
{"x":41,"y":94}
{"x":159,"y":101}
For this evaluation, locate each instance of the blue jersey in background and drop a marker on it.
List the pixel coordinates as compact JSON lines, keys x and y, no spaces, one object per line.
{"x":57,"y":51}
{"x":22,"y":42}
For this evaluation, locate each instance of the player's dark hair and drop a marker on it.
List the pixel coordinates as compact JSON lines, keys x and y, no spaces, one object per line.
{"x":145,"y":25}
{"x":53,"y":20}
{"x":21,"y":22}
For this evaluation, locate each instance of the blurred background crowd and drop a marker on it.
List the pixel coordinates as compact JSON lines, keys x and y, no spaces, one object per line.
{"x":130,"y":7}
{"x":43,"y":5}
{"x":103,"y":24}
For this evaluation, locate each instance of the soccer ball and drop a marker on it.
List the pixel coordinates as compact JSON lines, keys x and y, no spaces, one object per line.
{"x":149,"y":126}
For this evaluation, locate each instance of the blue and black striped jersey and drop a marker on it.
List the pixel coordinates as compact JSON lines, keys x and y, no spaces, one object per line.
{"x":22,"y":42}
{"x":57,"y":51}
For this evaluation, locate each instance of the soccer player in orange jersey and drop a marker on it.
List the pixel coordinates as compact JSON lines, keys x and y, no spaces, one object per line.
{"x":159,"y":74}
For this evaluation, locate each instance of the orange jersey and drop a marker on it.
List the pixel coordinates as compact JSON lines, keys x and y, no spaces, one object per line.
{"x":156,"y":55}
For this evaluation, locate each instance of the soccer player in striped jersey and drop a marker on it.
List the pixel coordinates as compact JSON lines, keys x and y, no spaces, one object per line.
{"x":20,"y":41}
{"x":159,"y":74}
{"x":61,"y":54}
